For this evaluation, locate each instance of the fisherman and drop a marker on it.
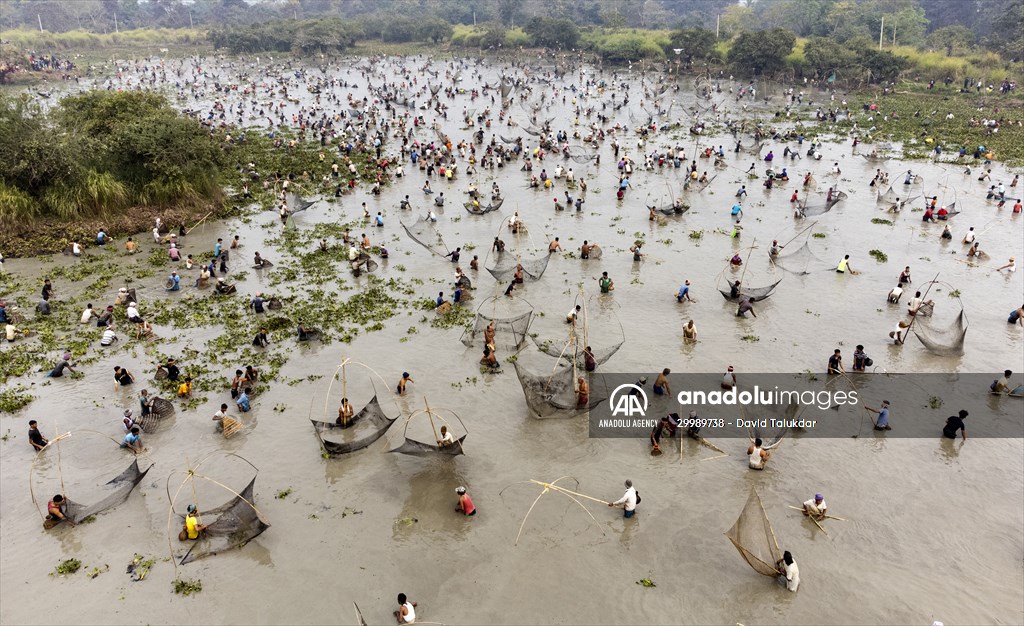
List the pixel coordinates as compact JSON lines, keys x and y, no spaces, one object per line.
{"x":882,"y":423}
{"x":173,"y":282}
{"x":845,"y":265}
{"x":589,"y":361}
{"x":895,"y":294}
{"x":690,"y":332}
{"x":746,"y":306}
{"x":304,"y":333}
{"x":259,"y":262}
{"x":185,"y":388}
{"x":63,"y":364}
{"x":133,"y":441}
{"x":955,"y":423}
{"x":192,"y":528}
{"x":261,"y":339}
{"x":257,"y":303}
{"x":734,"y":289}
{"x":446,"y":438}
{"x":122,"y":377}
{"x":757,"y":455}
{"x":661,"y":386}
{"x":571,"y":316}
{"x":835,"y":363}
{"x":406,"y":613}
{"x":554,"y":246}
{"x":776,"y":248}
{"x":405,"y":380}
{"x":582,"y":393}
{"x":242,"y":402}
{"x":219,"y":417}
{"x":1002,"y":385}
{"x":605,"y":283}
{"x":790,"y":570}
{"x":904,"y":277}
{"x":128,"y":421}
{"x":664,"y":424}
{"x":628,"y":501}
{"x":35,"y":437}
{"x":171,"y":367}
{"x":465,"y":503}
{"x":816,"y":507}
{"x":345,"y":413}
{"x":684,"y":292}
{"x":898,"y":334}
{"x":57,"y":510}
{"x":729,"y":379}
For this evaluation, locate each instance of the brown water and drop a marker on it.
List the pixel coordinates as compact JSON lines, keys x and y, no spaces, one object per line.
{"x":934,"y":529}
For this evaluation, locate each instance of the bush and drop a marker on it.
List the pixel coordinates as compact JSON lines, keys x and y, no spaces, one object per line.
{"x":516,"y":38}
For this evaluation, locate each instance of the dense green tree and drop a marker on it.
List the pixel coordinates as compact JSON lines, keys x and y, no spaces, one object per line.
{"x":553,"y":32}
{"x":822,"y":55}
{"x":762,"y":52}
{"x":696,"y":43}
{"x":952,"y":39}
{"x":434,"y":30}
{"x":883,"y":65}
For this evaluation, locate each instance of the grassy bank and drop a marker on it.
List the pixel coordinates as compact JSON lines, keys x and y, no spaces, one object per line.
{"x":150,"y":39}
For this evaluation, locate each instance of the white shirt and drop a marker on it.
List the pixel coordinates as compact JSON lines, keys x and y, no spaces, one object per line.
{"x":815,"y":507}
{"x":628,"y":499}
{"x":969,"y":237}
{"x":133,"y":312}
{"x":896,"y":292}
{"x":447,"y":439}
{"x":755,"y":458}
{"x":87,"y":315}
{"x":76,"y":249}
{"x":108,"y":337}
{"x":410,"y":617}
{"x":792,"y":576}
{"x":915,"y":304}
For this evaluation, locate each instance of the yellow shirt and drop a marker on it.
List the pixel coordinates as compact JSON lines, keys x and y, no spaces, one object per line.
{"x":184,"y":389}
{"x":842,"y":266}
{"x":192,"y":527}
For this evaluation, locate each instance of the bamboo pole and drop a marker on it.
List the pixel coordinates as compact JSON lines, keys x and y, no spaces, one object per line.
{"x":555,"y":487}
{"x":797,"y":508}
{"x":430,"y":416}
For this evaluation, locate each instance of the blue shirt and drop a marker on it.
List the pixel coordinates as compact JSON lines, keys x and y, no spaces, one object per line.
{"x":685,"y":289}
{"x":130,"y":439}
{"x":243,"y":402}
{"x":101,"y":237}
{"x":380,"y":221}
{"x":216,"y":250}
{"x":457,"y":295}
{"x":736,"y":209}
{"x":883,"y":417}
{"x":175,"y":283}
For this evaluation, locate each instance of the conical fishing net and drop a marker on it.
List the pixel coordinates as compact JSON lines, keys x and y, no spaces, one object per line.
{"x":756,"y":293}
{"x":371,"y":414}
{"x":509,"y":332}
{"x":117,"y":491}
{"x":554,"y":394}
{"x":753,"y":536}
{"x":769,"y":436}
{"x":887,"y":198}
{"x":506,"y":89}
{"x":411,"y":446}
{"x":820,"y":209}
{"x":237,"y":523}
{"x":801,"y":260}
{"x":943,"y":342}
{"x":424,"y":233}
{"x":532,"y":268}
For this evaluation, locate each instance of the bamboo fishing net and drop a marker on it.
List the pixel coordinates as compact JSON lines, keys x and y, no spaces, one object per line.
{"x":754,"y":293}
{"x":754,"y":538}
{"x":554,"y":394}
{"x":947,"y":341}
{"x":801,"y":261}
{"x":426,"y":234}
{"x":532,"y":268}
{"x":372,"y":416}
{"x":237,"y":523}
{"x":118,"y":489}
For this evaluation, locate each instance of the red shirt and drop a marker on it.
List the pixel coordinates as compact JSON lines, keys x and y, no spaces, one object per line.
{"x":467,"y":504}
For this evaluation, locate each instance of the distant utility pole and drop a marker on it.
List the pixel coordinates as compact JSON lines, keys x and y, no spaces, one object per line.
{"x":116,"y":30}
{"x":190,"y":18}
{"x":880,"y":31}
{"x":40,"y":22}
{"x":718,"y":24}
{"x":474,"y":19}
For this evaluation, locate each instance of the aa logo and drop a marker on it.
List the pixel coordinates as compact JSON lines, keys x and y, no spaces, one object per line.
{"x":628,"y":400}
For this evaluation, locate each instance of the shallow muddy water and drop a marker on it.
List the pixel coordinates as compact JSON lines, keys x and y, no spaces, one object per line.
{"x":933,"y":530}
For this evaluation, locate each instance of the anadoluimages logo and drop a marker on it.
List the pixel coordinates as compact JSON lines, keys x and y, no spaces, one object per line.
{"x":628,"y":400}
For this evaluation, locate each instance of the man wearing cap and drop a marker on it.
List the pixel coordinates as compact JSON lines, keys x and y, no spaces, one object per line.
{"x":133,"y":313}
{"x":882,"y":423}
{"x":628,"y":501}
{"x":816,"y":507}
{"x":173,"y":282}
{"x":729,"y":379}
{"x":192,"y":526}
{"x":129,"y":422}
{"x":465,"y":503}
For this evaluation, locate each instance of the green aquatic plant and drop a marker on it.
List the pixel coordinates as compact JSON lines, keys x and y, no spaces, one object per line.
{"x":878,"y":255}
{"x":187,"y":587}
{"x":68,"y":566}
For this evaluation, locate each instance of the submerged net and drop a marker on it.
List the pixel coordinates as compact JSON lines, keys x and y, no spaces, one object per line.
{"x":800,"y":261}
{"x":532,"y":268}
{"x":506,"y":89}
{"x":237,"y":523}
{"x":754,"y":293}
{"x":509,"y":332}
{"x":298,"y":204}
{"x":434,"y":89}
{"x":943,"y":342}
{"x":117,"y":489}
{"x":770,"y":437}
{"x":424,"y":233}
{"x":554,"y":394}
{"x":820,"y":209}
{"x":561,"y":349}
{"x":411,"y":446}
{"x":754,"y":538}
{"x":506,"y":139}
{"x":673,"y":209}
{"x":371,"y":414}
